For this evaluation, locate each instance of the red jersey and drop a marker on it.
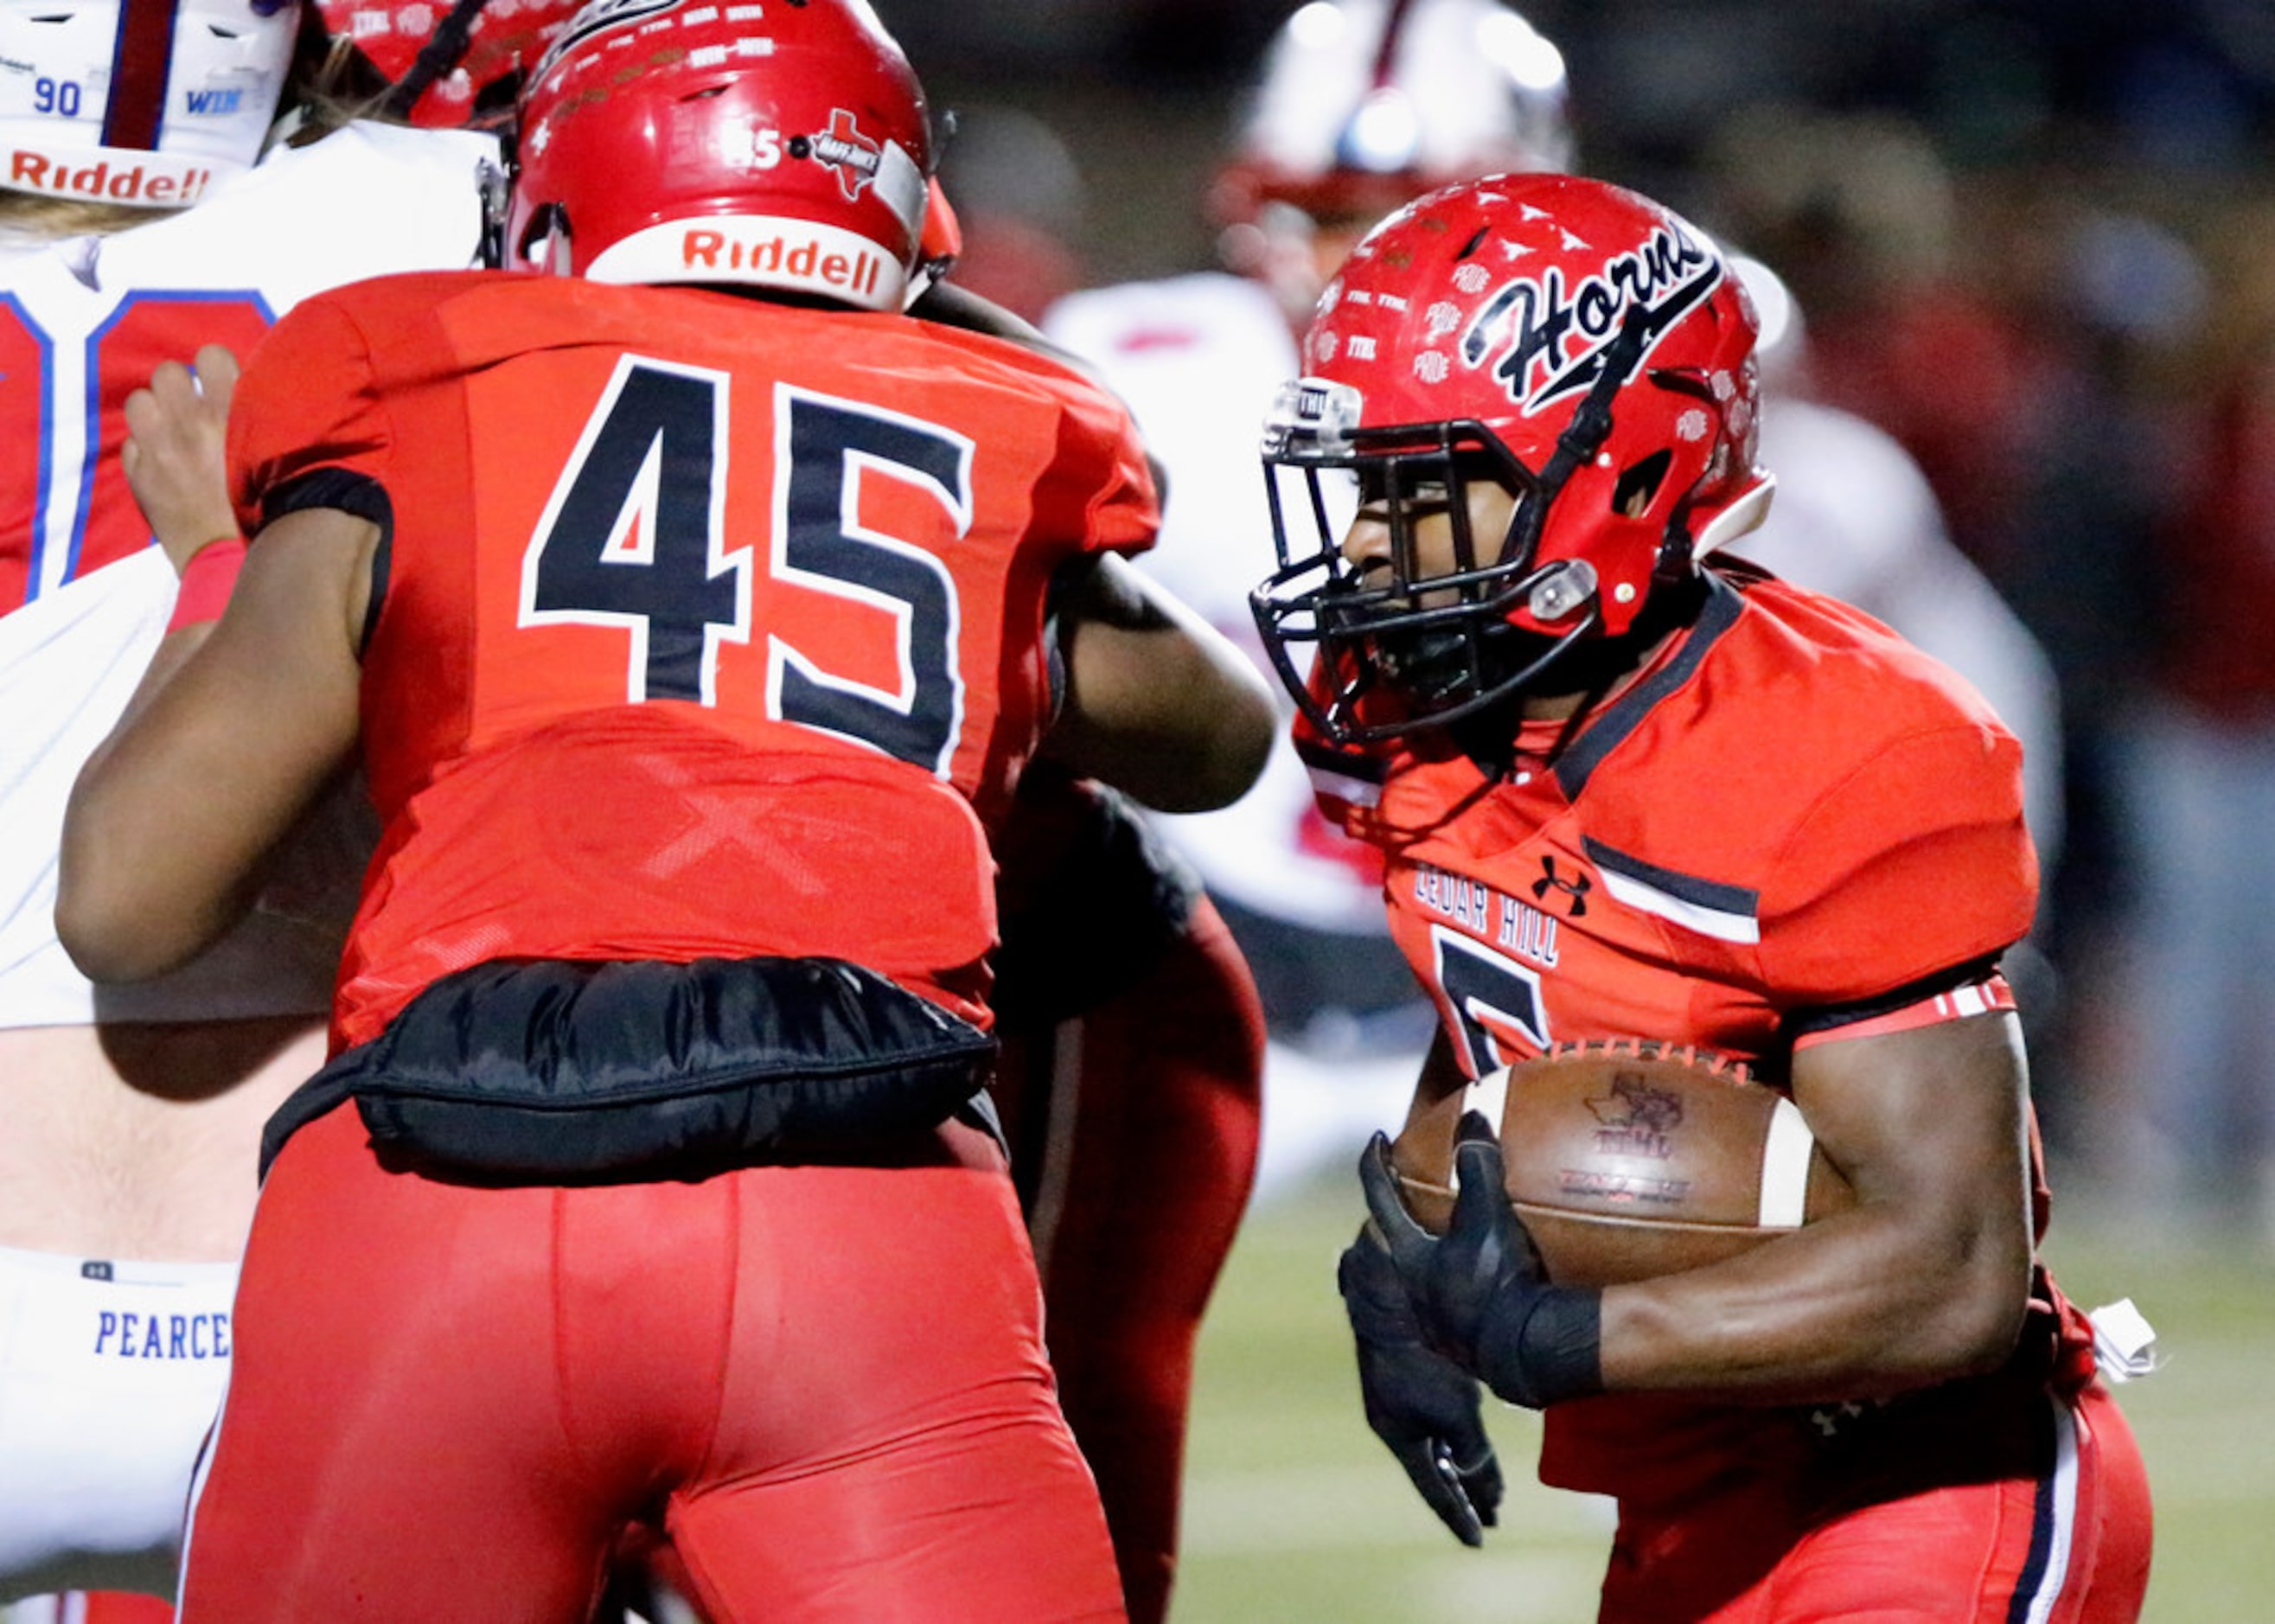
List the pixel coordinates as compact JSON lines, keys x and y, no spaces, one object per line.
{"x":708,"y":626}
{"x":1789,"y":825}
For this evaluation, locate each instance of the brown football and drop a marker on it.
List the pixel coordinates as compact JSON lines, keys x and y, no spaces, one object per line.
{"x":1630,"y":1161}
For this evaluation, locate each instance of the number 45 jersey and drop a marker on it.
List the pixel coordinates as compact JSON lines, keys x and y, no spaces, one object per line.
{"x":84,"y":594}
{"x":706,"y":626}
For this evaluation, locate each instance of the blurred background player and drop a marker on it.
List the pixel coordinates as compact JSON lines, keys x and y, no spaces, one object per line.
{"x":1359,"y":105}
{"x":1130,"y":1081}
{"x":458,"y":65}
{"x":1631,"y":791}
{"x":1857,"y":518}
{"x":142,"y":218}
{"x":762,"y":1530}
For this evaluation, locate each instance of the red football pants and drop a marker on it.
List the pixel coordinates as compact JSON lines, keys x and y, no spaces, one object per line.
{"x":1153,"y":1098}
{"x":2071,"y":1547}
{"x":826,"y":1384}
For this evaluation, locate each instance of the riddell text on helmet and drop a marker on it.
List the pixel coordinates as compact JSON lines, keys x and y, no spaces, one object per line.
{"x":100,"y":181}
{"x":713,"y":250}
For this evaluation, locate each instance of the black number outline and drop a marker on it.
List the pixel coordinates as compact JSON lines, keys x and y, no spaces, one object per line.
{"x":922,"y":719}
{"x":706,"y":424}
{"x":1467,"y":976}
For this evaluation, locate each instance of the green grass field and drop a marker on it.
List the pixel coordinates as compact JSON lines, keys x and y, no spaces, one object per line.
{"x":1293,"y":1512}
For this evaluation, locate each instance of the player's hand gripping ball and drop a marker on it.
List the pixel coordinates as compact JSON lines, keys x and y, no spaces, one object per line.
{"x":1433,"y":1315}
{"x":1627,"y":1161}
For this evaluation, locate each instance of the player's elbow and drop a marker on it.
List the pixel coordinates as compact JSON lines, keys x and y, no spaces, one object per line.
{"x":1985,"y":1323}
{"x":1190,"y":734}
{"x":1156,"y":702}
{"x":107,"y":920}
{"x":1972,"y":1315}
{"x":1225,"y":759}
{"x":101,"y":938}
{"x":1163,"y":770}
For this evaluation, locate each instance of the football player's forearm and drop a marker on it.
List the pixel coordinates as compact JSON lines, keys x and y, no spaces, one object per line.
{"x":1158,"y":703}
{"x":1926,"y":1278}
{"x":1861,"y":1304}
{"x":1193,"y":755}
{"x":235,"y":729}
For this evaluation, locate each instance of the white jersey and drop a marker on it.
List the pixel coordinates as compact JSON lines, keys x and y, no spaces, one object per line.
{"x":109,"y":1373}
{"x":84,"y":594}
{"x":1198,"y":359}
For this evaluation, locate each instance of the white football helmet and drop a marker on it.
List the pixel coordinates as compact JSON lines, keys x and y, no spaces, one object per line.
{"x":1364,"y":104}
{"x":140,"y":102}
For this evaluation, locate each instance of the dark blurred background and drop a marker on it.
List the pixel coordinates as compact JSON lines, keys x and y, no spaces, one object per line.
{"x":2032,"y":239}
{"x":2177,"y":93}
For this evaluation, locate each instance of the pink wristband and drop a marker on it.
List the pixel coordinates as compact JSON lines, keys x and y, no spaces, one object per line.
{"x":206,"y":583}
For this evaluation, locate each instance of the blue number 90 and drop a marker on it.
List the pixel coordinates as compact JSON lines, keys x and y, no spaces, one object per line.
{"x":52,"y":95}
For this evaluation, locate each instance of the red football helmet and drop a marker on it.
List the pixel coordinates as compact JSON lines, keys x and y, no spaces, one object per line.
{"x":1586,"y":348}
{"x":680,"y":140}
{"x":445,"y":64}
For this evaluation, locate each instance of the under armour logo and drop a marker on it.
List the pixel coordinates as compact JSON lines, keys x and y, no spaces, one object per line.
{"x":1576,"y":889}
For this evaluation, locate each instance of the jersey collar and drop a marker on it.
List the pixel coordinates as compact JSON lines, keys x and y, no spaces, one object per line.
{"x":1610,"y":729}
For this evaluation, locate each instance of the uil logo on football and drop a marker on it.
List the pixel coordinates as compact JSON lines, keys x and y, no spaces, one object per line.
{"x":1635,"y":1119}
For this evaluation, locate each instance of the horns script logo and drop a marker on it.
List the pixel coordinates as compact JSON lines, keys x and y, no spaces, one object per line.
{"x":1556,"y":334}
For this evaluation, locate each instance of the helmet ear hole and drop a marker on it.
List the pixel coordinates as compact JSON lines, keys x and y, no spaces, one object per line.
{"x":1638,"y":484}
{"x":544,"y":244}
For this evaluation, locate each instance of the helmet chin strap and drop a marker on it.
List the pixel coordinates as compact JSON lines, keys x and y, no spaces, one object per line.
{"x":444,"y":50}
{"x":1585,"y":665}
{"x":1591,"y":423}
{"x":1573,"y":656}
{"x":1585,"y":668}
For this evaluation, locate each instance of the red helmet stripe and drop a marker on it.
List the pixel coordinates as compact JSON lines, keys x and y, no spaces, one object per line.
{"x":1393,"y":26}
{"x":139,"y":66}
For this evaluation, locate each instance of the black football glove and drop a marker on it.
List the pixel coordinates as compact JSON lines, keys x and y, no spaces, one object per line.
{"x":1418,"y":1402}
{"x":1480,"y":1292}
